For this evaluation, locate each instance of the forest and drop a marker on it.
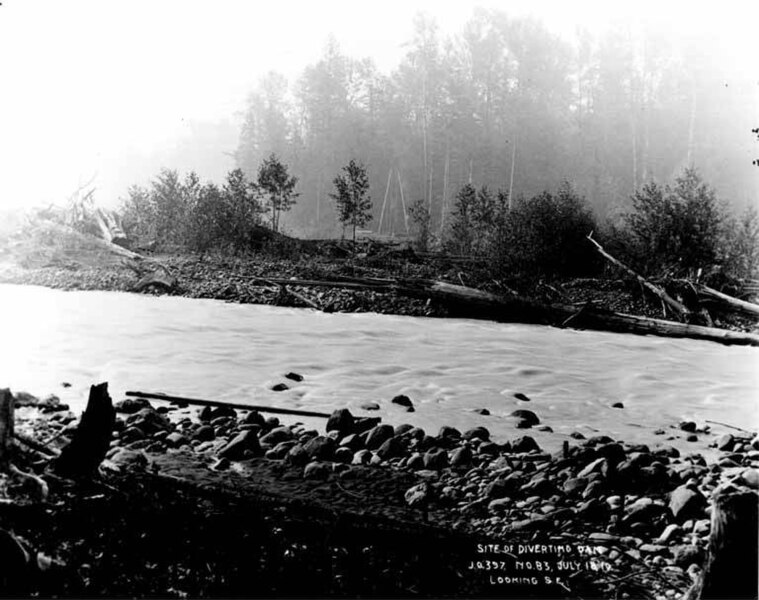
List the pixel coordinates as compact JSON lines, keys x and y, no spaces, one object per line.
{"x":508,"y":105}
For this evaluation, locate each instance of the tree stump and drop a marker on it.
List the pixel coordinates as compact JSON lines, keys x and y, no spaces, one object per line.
{"x":7,"y":402}
{"x":92,"y":438}
{"x":732,"y":568}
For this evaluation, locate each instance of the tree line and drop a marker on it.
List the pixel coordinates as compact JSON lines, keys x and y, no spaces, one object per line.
{"x":503,"y":103}
{"x":680,"y":229}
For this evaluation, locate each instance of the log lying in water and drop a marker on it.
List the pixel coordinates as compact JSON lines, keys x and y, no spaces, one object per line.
{"x":216,"y":404}
{"x":477,"y":304}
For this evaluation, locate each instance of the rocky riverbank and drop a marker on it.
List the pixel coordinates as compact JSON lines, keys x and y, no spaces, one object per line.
{"x":601,"y":518}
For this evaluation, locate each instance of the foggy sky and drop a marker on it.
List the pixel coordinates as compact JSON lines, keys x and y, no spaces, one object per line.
{"x":117,"y":90}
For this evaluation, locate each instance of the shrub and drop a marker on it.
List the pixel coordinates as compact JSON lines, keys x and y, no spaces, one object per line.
{"x":545,"y":236}
{"x":476,"y":221}
{"x":678,"y":229}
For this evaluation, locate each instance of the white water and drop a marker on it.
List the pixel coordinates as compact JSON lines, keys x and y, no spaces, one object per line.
{"x":211,"y":349}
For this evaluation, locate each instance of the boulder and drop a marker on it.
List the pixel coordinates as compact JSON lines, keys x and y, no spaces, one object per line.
{"x":245,"y":442}
{"x":686,"y":502}
{"x":130,"y":459}
{"x":521,"y":396}
{"x":574,"y":485}
{"x":294,"y":376}
{"x":378,"y":435}
{"x":320,"y":448}
{"x":204,"y":433}
{"x":613,"y":452}
{"x":352,"y":442}
{"x":449,"y":432}
{"x":524,"y":444}
{"x":435,"y":459}
{"x":415,"y":461}
{"x":296,"y":456}
{"x":343,"y":455}
{"x":418,"y":496}
{"x":130,"y":406}
{"x":593,"y":467}
{"x":317,"y":470}
{"x":725,"y":442}
{"x":526,"y":418}
{"x":254,"y":418}
{"x":391,"y":448}
{"x":403,"y":400}
{"x":149,"y":421}
{"x":461,"y":457}
{"x":362,"y":457}
{"x":176,"y":440}
{"x":687,"y":554}
{"x":688,"y":426}
{"x":209,"y":413}
{"x":479,"y":433}
{"x":341,"y":421}
{"x":280,"y":450}
{"x":361,"y":424}
{"x":370,"y":406}
{"x":279,"y":387}
{"x":504,"y":486}
{"x":276,"y":436}
{"x":403,"y":428}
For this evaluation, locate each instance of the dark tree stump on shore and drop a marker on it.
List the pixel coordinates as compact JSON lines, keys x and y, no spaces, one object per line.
{"x":732,"y":568}
{"x":92,"y":438}
{"x":6,"y":424}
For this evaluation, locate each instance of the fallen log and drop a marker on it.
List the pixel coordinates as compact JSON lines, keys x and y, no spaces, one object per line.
{"x":678,"y":308}
{"x":235,"y":405}
{"x":472,"y":303}
{"x":92,"y":438}
{"x":747,"y":308}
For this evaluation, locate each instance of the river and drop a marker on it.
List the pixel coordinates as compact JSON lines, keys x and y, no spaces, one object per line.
{"x":449,"y":368}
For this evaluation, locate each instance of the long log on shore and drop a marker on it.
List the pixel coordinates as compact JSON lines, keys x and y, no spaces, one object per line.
{"x":472,"y":303}
{"x":677,"y":307}
{"x":747,"y":308}
{"x":218,"y":404}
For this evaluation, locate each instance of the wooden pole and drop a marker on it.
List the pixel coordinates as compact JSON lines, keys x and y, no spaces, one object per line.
{"x":216,"y":403}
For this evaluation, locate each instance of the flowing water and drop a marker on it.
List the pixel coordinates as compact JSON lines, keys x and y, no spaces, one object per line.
{"x":449,"y":368}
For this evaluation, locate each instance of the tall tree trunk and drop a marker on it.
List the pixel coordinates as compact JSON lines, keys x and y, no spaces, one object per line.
{"x":384,"y":201}
{"x":511,"y":179}
{"x":445,"y":188}
{"x":692,"y":124}
{"x":403,"y":201}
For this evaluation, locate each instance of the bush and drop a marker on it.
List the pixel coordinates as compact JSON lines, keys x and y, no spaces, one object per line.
{"x":676,"y":230}
{"x":476,"y":221}
{"x":545,"y":236}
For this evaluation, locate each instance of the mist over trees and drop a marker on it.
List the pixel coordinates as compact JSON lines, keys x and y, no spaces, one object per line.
{"x":503,"y":104}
